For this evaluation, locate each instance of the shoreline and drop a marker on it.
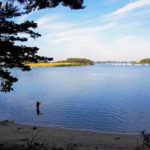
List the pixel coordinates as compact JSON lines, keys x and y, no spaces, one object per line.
{"x":77,"y":129}
{"x":84,"y":130}
{"x":14,"y":133}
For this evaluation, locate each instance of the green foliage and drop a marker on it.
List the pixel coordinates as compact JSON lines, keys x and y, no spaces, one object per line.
{"x":13,"y":54}
{"x":145,"y":61}
{"x":83,"y":61}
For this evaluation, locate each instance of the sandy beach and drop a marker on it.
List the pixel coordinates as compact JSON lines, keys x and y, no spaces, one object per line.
{"x":13,"y":133}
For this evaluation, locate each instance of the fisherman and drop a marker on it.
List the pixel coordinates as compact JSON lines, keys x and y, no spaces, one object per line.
{"x":38,"y":105}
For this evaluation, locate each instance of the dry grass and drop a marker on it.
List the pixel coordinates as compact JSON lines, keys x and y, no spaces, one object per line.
{"x":34,"y":65}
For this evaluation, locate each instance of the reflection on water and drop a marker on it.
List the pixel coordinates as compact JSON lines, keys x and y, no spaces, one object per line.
{"x":38,"y":112}
{"x":101,"y":97}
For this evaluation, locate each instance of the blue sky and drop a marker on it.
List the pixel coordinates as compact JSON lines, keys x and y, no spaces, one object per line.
{"x":104,"y":30}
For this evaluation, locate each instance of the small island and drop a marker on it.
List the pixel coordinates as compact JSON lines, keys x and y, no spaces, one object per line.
{"x":144,"y":61}
{"x":63,"y":63}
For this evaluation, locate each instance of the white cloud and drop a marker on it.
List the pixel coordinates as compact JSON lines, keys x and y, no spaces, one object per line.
{"x":132,"y":47}
{"x":101,"y":38}
{"x":125,"y":39}
{"x":124,"y":48}
{"x":131,"y":7}
{"x":74,"y":33}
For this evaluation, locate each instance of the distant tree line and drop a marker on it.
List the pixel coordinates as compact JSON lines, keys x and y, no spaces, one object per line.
{"x":78,"y":61}
{"x":145,"y":61}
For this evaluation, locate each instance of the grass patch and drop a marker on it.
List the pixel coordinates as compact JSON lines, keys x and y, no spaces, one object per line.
{"x":34,"y":65}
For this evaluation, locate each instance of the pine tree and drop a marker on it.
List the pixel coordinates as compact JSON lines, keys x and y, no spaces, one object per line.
{"x":13,"y":55}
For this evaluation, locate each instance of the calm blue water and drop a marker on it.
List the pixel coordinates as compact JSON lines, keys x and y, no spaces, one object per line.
{"x":100,"y":97}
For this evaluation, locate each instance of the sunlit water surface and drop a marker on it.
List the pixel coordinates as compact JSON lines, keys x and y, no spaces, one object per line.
{"x":101,"y":97}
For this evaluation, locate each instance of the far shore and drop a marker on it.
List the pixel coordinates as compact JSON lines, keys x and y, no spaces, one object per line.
{"x":14,"y":133}
{"x":57,"y":64}
{"x":36,"y":65}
